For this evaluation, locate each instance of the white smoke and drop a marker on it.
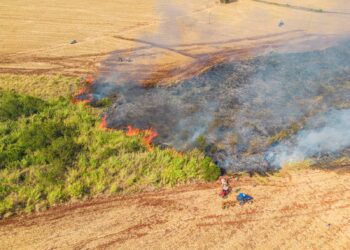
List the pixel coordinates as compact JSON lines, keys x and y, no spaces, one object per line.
{"x":332,"y":136}
{"x":170,"y":28}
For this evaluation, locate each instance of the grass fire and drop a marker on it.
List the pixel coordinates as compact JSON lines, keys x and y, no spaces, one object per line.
{"x":237,"y":107}
{"x":148,"y":135}
{"x":175,"y":124}
{"x":84,"y":94}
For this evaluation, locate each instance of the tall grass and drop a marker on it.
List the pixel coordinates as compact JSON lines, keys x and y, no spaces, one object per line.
{"x":54,"y":151}
{"x":42,"y":86}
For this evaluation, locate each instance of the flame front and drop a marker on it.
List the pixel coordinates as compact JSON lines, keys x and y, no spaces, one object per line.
{"x":83,"y":95}
{"x":104,"y":123}
{"x":148,"y":135}
{"x":133,"y":131}
{"x":90,"y":79}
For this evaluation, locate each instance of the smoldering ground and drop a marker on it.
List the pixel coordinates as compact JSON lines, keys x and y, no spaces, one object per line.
{"x":328,"y":133}
{"x":232,"y":111}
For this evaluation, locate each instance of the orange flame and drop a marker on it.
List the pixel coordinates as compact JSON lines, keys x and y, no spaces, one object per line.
{"x":148,"y":135}
{"x":84,"y":91}
{"x":86,"y":101}
{"x":104,"y":123}
{"x":133,"y":131}
{"x":89,"y":79}
{"x":180,"y":154}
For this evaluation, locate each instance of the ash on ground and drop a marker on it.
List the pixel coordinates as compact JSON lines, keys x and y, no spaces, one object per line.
{"x":234,"y":111}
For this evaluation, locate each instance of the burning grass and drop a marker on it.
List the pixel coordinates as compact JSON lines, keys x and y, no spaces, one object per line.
{"x":238,"y":112}
{"x":52,"y":152}
{"x":104,"y":124}
{"x":84,"y":95}
{"x":148,"y":135}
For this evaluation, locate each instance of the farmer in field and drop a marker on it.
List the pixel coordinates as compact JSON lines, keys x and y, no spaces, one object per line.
{"x":225,"y":188}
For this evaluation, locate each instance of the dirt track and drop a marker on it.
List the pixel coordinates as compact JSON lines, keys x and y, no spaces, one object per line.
{"x":305,"y":210}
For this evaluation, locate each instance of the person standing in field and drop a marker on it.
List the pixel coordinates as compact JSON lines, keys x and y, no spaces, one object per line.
{"x":225,"y":187}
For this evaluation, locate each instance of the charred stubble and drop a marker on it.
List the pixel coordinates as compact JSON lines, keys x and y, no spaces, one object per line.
{"x":232,"y":110}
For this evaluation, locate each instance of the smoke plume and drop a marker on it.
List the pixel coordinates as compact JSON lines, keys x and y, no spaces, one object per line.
{"x":232,"y":110}
{"x":331,"y":137}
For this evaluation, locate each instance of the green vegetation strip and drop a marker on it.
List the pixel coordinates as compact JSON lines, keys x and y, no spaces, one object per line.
{"x":52,"y":151}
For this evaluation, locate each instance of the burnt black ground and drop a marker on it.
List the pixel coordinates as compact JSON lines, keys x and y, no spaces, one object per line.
{"x":233,"y":109}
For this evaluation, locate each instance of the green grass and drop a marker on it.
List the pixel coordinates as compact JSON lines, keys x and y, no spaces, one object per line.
{"x":42,"y":86}
{"x":52,"y":151}
{"x":13,"y":106}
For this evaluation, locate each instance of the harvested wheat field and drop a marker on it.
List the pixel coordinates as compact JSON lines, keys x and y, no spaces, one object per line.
{"x":207,"y":52}
{"x":166,"y":42}
{"x":304,"y":210}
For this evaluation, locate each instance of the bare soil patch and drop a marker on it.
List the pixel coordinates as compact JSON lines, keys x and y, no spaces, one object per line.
{"x":311,"y":206}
